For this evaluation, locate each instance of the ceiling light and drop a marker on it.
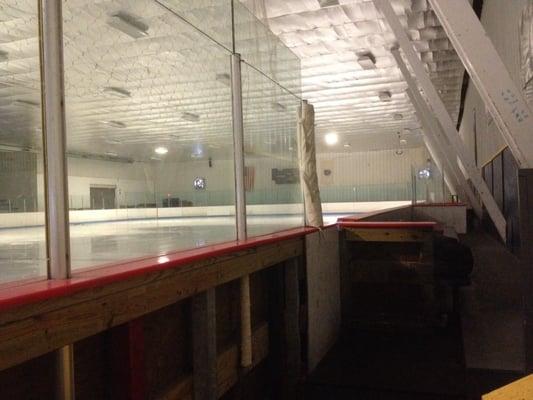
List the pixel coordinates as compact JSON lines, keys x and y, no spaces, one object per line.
{"x":191,"y":117}
{"x":117,"y":91}
{"x":161,"y":150}
{"x":385,"y":96}
{"x":347,"y":145}
{"x":366,"y":60}
{"x":115,"y":124}
{"x":111,"y":154}
{"x":328,"y":3}
{"x":331,"y":139}
{"x":26,"y":103}
{"x":129,"y":25}
{"x":397,"y":116}
{"x":224,"y":78}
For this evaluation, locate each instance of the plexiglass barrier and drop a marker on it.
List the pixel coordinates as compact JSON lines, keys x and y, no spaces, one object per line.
{"x":271,"y":162}
{"x":23,"y":252}
{"x":149,"y":130}
{"x":151,"y":127}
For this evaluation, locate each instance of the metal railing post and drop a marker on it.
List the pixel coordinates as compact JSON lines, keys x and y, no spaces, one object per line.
{"x":240,"y":204}
{"x":55,"y":168}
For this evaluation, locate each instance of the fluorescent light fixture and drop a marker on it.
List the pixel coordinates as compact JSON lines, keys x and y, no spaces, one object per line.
{"x":26,"y":103}
{"x":224,"y":78}
{"x":115,"y":124}
{"x":331,"y":139}
{"x":113,"y":141}
{"x":328,"y":3}
{"x":191,"y":117}
{"x":278,"y":107}
{"x":117,"y":91}
{"x":397,"y":116}
{"x":161,"y":150}
{"x":128,"y":24}
{"x":366,"y":60}
{"x":385,"y":96}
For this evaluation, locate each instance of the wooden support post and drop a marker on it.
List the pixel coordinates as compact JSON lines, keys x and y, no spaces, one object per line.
{"x":128,"y":374}
{"x":204,"y":345}
{"x":525,"y":193}
{"x":291,"y":323}
{"x":345,"y":276}
{"x":246,"y":322}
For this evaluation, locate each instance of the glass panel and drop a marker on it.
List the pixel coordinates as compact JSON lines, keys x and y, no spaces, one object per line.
{"x":263,"y":50}
{"x":148,"y":112}
{"x":213,"y":17}
{"x":273,"y":195}
{"x":429,"y":182}
{"x":23,"y":250}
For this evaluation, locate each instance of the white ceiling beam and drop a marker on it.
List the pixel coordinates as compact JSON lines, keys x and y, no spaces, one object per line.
{"x":443,"y":117}
{"x":437,"y":146}
{"x":436,"y":142}
{"x":483,"y":63}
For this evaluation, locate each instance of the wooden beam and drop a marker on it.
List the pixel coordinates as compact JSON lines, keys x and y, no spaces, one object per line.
{"x":38,"y":329}
{"x":228,"y":367}
{"x":519,"y":390}
{"x":127,"y":368}
{"x":385,"y":235}
{"x":204,"y":340}
{"x":291,"y":333}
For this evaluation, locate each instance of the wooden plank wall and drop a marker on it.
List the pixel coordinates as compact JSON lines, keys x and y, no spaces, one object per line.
{"x":156,"y":310}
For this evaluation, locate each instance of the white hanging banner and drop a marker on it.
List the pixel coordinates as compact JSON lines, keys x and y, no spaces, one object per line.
{"x":307,"y":159}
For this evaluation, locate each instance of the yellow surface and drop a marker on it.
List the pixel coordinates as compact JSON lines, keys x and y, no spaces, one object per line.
{"x":521,"y":389}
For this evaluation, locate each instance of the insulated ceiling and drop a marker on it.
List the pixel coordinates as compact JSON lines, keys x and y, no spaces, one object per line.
{"x":348,"y":72}
{"x":137,"y":76}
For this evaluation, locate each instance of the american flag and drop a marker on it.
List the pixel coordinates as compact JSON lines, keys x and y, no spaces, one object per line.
{"x":249,"y":178}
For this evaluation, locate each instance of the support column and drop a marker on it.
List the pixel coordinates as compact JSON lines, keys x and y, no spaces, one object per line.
{"x":503,"y":98}
{"x":204,"y":345}
{"x":55,"y":168}
{"x":240,"y":205}
{"x":292,"y":328}
{"x":444,"y":119}
{"x":525,"y":198}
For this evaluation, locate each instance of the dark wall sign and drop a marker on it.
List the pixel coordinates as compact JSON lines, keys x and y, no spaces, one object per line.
{"x":285,"y":176}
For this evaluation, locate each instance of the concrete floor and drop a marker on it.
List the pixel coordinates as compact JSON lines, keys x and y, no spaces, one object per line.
{"x":23,"y":252}
{"x":491,"y":307}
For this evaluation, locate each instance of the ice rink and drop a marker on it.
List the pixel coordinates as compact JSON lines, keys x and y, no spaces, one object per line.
{"x":23,"y":251}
